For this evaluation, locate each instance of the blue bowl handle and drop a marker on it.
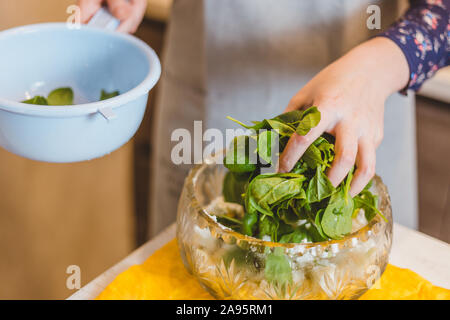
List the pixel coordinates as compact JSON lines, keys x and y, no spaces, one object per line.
{"x":105,"y":20}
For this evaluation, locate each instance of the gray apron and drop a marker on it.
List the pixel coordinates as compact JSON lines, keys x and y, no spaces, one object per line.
{"x":246,"y":59}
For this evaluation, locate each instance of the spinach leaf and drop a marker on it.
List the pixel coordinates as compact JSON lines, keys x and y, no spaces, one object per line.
{"x":348,"y":180}
{"x":277,"y":269}
{"x":319,"y":187}
{"x":318,"y":223}
{"x":300,"y":167}
{"x":237,"y":157}
{"x":369,"y":185}
{"x":286,"y":213}
{"x":326,"y":149}
{"x":276,"y":203}
{"x":229,"y":222}
{"x":249,"y":222}
{"x":60,"y":97}
{"x":234,"y":185}
{"x":285,"y":189}
{"x":290,"y":117}
{"x":256,"y":126}
{"x":242,"y":257}
{"x":281,"y":128}
{"x":313,"y":157}
{"x":337,"y":217}
{"x":310,"y":119}
{"x":369,"y":203}
{"x":266,"y":139}
{"x":299,"y":235}
{"x":269,"y":189}
{"x":258,"y":188}
{"x":38,"y":100}
{"x":108,"y":95}
{"x":281,"y":122}
{"x":64,"y":97}
{"x":268,"y":227}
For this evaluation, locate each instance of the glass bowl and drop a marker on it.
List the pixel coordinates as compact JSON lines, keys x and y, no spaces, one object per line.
{"x":230,"y":265}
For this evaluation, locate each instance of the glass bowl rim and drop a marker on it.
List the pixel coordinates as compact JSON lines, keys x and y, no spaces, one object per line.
{"x":199,"y":209}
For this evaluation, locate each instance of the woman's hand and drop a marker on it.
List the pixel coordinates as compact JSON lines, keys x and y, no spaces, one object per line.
{"x":130,"y":13}
{"x":350,"y":94}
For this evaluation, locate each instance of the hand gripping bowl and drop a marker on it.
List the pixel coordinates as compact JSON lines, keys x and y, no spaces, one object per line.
{"x":38,"y":58}
{"x":232,"y":266}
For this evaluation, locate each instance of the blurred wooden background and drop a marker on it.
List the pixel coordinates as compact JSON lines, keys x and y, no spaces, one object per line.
{"x":56,"y":215}
{"x":433,"y":148}
{"x":91,"y":214}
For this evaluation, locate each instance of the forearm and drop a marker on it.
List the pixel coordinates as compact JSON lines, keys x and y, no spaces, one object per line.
{"x":381,"y":62}
{"x":423,"y":36}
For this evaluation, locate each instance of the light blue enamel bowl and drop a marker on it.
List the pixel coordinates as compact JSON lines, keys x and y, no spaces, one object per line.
{"x":36,"y":59}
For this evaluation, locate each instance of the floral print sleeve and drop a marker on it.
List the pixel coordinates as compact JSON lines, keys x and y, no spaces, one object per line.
{"x":423,"y":34}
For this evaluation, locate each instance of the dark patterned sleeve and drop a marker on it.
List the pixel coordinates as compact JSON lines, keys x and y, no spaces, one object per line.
{"x":423,"y":34}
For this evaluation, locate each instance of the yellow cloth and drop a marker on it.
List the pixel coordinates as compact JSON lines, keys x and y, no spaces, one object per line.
{"x":163,"y":276}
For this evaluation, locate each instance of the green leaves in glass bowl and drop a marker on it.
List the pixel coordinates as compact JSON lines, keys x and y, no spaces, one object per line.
{"x":298,"y":206}
{"x":64,"y":97}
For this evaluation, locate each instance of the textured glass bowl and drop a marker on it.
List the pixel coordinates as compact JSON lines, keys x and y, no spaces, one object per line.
{"x":232,"y":266}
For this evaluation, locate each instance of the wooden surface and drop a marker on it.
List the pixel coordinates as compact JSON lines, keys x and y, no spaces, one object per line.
{"x":22,"y":12}
{"x":438,"y":86}
{"x":95,"y":287}
{"x":159,"y":9}
{"x":56,"y":215}
{"x":416,"y":251}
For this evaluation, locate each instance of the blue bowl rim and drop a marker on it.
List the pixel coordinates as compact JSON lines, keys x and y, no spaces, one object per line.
{"x":141,"y":89}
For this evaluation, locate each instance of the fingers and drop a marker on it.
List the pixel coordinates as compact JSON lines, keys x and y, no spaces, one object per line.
{"x":88,"y":8}
{"x":297,"y":145}
{"x":131,"y":23}
{"x":365,"y":163}
{"x":346,"y":148}
{"x":121,"y":9}
{"x":350,"y":147}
